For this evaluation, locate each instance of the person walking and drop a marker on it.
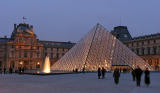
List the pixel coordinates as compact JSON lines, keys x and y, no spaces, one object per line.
{"x":133,"y":75}
{"x":20,"y":70}
{"x":147,"y":77}
{"x":10,"y":70}
{"x":99,"y":73}
{"x":4,"y":70}
{"x":103,"y":72}
{"x":116,"y":76}
{"x":23,"y":70}
{"x":138,"y":73}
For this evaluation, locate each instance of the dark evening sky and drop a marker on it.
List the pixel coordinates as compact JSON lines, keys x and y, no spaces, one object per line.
{"x":69,"y":20}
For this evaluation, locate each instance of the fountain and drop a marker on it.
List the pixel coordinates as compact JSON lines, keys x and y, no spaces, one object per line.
{"x":45,"y":69}
{"x":46,"y":66}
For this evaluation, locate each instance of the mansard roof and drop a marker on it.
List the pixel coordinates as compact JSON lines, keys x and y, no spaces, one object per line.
{"x":4,"y":40}
{"x":57,"y":44}
{"x":23,"y":29}
{"x":156,"y":35}
{"x":144,"y":37}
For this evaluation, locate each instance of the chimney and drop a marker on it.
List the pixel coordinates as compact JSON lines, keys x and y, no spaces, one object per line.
{"x":31,"y":26}
{"x":15,"y":26}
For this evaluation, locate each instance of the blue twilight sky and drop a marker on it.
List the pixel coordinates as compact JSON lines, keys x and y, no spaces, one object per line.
{"x":69,"y":20}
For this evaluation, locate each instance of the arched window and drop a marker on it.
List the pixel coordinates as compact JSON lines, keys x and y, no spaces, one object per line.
{"x":137,"y":51}
{"x":19,"y":54}
{"x":157,"y":62}
{"x":154,"y":41}
{"x":137,"y":44}
{"x":51,"y":55}
{"x":25,"y":53}
{"x":142,"y":51}
{"x":142,"y":42}
{"x":150,"y":62}
{"x":57,"y":56}
{"x":148,"y":50}
{"x":132,"y":44}
{"x":0,"y":64}
{"x":148,"y":41}
{"x":154,"y":50}
{"x":132,"y":49}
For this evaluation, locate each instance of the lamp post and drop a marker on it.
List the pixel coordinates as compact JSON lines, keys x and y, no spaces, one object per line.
{"x":21,"y":63}
{"x":38,"y":65}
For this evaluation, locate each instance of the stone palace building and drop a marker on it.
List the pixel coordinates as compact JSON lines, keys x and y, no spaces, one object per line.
{"x":23,"y":49}
{"x":147,"y":46}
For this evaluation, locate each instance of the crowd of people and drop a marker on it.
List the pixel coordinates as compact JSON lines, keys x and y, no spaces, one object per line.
{"x":101,"y":72}
{"x":136,"y":75}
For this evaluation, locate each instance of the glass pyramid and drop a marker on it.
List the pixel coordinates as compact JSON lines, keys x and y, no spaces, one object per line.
{"x":98,"y":48}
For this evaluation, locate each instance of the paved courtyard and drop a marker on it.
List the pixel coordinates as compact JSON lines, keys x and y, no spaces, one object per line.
{"x":74,"y":83}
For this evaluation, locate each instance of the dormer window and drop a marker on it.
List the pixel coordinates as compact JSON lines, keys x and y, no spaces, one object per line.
{"x":125,"y":35}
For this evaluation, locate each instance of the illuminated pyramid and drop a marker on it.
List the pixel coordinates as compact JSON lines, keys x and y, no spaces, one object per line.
{"x":98,"y":48}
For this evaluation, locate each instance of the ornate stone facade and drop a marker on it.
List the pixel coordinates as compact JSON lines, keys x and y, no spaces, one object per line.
{"x":147,"y":47}
{"x":23,"y":49}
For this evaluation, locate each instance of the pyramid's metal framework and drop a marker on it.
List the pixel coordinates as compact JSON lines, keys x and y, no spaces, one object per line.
{"x":98,"y":48}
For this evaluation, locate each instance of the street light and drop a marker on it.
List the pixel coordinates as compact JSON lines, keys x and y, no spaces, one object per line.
{"x":21,"y":63}
{"x":38,"y":63}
